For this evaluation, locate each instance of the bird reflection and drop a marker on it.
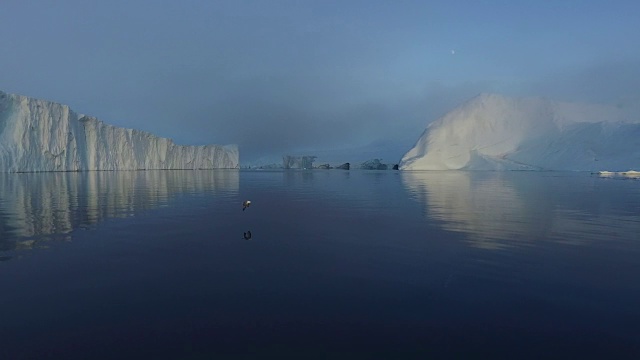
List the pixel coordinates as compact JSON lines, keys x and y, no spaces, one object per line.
{"x":247,"y":235}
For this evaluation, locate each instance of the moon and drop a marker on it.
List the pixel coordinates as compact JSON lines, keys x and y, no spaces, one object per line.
{"x":453,"y":52}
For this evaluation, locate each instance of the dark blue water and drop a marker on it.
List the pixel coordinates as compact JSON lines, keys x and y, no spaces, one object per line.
{"x":341,"y":264}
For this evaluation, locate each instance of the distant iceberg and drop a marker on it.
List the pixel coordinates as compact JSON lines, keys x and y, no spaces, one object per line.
{"x":38,"y":135}
{"x":493,"y":132}
{"x":629,"y":174}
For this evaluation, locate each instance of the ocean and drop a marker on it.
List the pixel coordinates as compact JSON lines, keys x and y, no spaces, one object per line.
{"x":338,"y":264}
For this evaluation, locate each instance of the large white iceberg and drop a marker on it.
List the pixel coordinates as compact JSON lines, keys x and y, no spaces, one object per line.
{"x":493,"y":132}
{"x":38,"y":135}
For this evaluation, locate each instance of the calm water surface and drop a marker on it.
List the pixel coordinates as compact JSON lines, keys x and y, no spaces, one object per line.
{"x":352,"y":264}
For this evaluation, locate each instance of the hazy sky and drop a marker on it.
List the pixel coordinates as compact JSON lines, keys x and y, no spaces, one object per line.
{"x":306,"y":77}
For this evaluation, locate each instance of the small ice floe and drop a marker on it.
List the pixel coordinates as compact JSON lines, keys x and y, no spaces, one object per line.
{"x":247,"y":235}
{"x":246,"y":204}
{"x":631,"y":173}
{"x":627,"y":174}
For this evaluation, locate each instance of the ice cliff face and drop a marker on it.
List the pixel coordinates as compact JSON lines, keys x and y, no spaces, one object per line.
{"x":38,"y":135}
{"x":492,"y":132}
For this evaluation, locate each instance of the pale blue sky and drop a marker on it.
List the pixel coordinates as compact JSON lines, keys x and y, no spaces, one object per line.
{"x":294,"y":77}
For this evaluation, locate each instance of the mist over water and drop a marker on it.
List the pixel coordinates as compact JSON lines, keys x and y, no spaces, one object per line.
{"x":371,"y":263}
{"x":293,"y":78}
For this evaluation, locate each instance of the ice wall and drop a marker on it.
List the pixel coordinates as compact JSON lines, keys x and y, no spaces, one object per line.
{"x":38,"y":135}
{"x":493,"y":132}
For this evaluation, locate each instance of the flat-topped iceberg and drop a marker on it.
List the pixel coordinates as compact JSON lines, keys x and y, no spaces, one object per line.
{"x":38,"y":135}
{"x":493,"y":132}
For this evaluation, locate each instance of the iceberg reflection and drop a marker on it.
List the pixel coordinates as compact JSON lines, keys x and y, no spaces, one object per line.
{"x":515,"y":209}
{"x":44,"y":206}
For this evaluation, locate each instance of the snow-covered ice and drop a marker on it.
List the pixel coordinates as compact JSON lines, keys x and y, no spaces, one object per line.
{"x":38,"y":135}
{"x":494,"y":132}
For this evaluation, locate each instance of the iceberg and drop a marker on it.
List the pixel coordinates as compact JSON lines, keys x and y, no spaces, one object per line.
{"x":494,"y":132}
{"x":39,"y":135}
{"x":626,"y":174}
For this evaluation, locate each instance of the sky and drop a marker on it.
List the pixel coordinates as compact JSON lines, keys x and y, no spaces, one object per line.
{"x":346,"y":80}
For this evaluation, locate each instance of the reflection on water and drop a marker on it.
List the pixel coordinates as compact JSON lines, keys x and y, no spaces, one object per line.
{"x":336,"y":261}
{"x":506,"y":209}
{"x":44,"y":206}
